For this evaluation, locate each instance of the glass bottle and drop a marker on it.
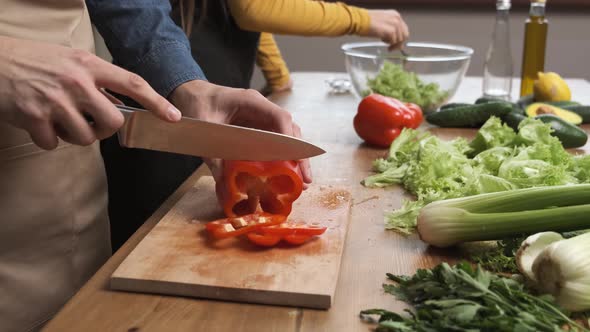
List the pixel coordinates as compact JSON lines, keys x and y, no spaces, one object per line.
{"x":497,"y":78}
{"x":535,"y":40}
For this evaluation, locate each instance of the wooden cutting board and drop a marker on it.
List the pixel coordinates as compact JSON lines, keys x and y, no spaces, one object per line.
{"x":178,"y":258}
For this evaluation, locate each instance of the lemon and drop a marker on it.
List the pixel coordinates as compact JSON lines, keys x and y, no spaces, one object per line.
{"x":551,"y":87}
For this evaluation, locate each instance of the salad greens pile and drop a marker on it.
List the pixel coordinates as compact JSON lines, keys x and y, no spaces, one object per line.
{"x":461,"y":298}
{"x":394,"y":81}
{"x":498,"y":159}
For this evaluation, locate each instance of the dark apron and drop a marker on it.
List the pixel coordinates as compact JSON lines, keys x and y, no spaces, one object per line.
{"x":139,"y":180}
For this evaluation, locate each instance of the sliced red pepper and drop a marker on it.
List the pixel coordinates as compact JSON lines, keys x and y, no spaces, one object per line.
{"x":380,"y":119}
{"x":264,"y":240}
{"x":235,"y":226}
{"x":293,"y":228}
{"x":297,"y":239}
{"x":295,"y":233}
{"x":251,"y":186}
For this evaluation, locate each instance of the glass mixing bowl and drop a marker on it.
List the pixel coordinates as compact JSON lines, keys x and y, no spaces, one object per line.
{"x":442,"y":64}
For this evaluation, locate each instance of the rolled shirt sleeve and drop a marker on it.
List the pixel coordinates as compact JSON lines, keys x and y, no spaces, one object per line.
{"x":142,"y":38}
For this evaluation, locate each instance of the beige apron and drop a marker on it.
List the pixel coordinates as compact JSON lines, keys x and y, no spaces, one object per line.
{"x":54,"y":231}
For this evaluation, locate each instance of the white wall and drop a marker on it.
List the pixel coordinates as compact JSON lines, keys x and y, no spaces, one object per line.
{"x":568,"y":45}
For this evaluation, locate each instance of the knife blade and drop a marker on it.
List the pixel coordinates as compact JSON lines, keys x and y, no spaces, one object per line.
{"x":207,"y":139}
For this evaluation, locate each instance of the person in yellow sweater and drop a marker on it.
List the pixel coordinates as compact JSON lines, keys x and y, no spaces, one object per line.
{"x":304,"y":18}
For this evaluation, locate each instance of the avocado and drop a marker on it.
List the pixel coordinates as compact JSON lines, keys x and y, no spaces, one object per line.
{"x":536,"y":109}
{"x":581,"y":110}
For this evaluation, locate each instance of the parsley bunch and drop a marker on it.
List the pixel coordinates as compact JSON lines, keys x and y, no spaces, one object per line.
{"x":461,"y":298}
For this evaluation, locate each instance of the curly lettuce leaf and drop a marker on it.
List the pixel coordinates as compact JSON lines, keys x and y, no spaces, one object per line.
{"x":531,"y":131}
{"x":490,"y":160}
{"x":393,"y":81}
{"x":581,"y":168}
{"x":403,"y":220}
{"x":489,"y":184}
{"x":534,"y":173}
{"x":440,"y":166}
{"x":553,"y":153}
{"x":405,"y":147}
{"x":388,"y":177}
{"x":434,"y":169}
{"x":492,"y":134}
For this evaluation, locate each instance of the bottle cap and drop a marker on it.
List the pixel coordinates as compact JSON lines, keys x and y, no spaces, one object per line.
{"x":503,"y":4}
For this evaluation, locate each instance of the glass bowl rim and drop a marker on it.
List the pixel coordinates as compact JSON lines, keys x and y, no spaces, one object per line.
{"x":465,"y":52}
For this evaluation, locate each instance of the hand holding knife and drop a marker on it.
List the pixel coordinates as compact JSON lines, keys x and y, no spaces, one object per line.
{"x":208,"y":139}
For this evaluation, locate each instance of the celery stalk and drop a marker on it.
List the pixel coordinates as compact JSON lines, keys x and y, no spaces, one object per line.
{"x":504,"y":214}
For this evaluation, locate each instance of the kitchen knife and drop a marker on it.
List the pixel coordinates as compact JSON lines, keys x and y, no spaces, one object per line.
{"x":207,"y":139}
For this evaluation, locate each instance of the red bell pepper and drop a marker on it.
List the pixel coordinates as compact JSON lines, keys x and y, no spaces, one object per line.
{"x":292,"y":227}
{"x":235,"y":226}
{"x":254,"y":186}
{"x":263,"y":240}
{"x":380,"y":119}
{"x":295,"y":233}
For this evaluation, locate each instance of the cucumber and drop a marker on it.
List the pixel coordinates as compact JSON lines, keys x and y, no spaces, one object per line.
{"x":483,"y":100}
{"x":581,"y":110}
{"x":453,"y":105}
{"x":570,"y":135}
{"x":513,"y":119}
{"x":471,"y":116}
{"x":517,"y":109}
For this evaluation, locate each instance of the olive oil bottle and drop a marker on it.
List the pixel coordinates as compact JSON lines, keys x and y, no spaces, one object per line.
{"x":535,"y":40}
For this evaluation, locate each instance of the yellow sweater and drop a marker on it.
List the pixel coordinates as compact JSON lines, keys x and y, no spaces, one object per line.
{"x":295,"y":17}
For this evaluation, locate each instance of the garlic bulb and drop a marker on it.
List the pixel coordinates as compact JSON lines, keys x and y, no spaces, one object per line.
{"x":531,"y":248}
{"x":563,"y":270}
{"x":557,"y":266}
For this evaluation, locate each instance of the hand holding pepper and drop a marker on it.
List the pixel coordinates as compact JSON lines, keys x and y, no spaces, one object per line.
{"x":247,"y":108}
{"x":380,"y":119}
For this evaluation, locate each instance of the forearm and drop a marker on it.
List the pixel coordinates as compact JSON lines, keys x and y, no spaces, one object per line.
{"x":300,"y":17}
{"x":142,"y":38}
{"x":271,"y":62}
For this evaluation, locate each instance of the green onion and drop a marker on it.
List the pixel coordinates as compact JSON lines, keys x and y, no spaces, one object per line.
{"x":505,"y":214}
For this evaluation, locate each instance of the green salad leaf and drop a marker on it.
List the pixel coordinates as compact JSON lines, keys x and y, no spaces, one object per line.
{"x":497,"y":159}
{"x":492,"y":134}
{"x":581,"y":168}
{"x":393,"y":81}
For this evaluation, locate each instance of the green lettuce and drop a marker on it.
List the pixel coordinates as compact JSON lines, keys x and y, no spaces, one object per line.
{"x":497,"y":159}
{"x":393,"y":81}
{"x":492,"y":134}
{"x":531,"y":131}
{"x":490,"y":160}
{"x":534,"y":173}
{"x":581,"y":168}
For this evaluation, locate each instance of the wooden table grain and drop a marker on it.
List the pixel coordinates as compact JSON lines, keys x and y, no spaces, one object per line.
{"x":369,"y":253}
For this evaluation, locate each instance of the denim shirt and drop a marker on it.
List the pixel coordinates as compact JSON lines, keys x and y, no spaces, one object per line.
{"x":142,"y":38}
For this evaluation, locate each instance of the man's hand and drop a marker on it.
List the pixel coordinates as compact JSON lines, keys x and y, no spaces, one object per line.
{"x":388,"y":26}
{"x":247,"y":108}
{"x":48,"y":90}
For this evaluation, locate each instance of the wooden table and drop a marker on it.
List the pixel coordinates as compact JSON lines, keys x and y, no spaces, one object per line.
{"x":370,"y":251}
